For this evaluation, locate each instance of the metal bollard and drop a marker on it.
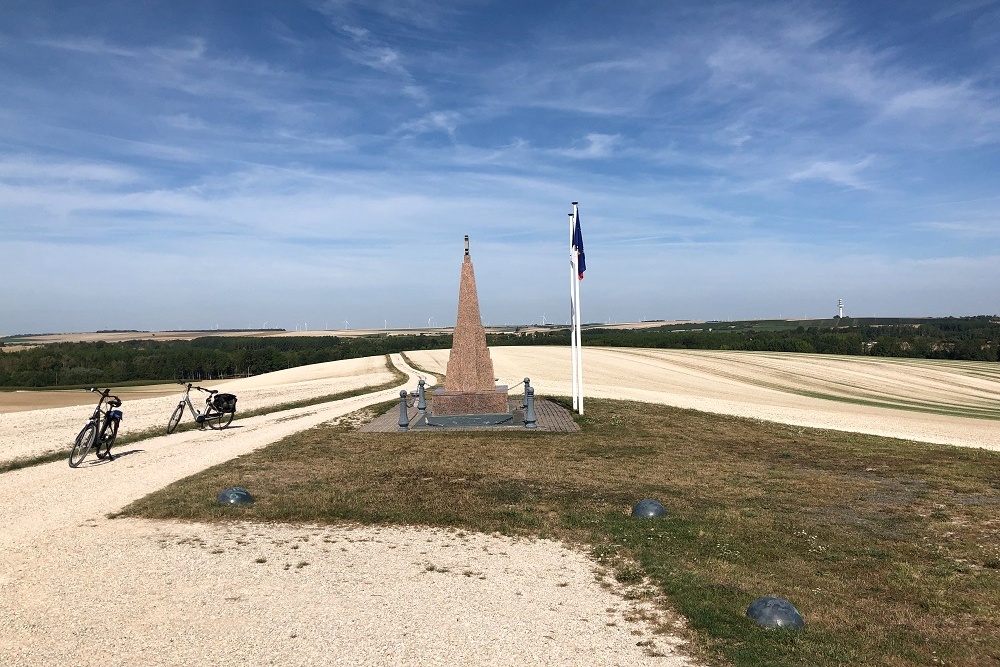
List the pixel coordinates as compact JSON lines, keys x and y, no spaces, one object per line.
{"x":421,"y":402}
{"x":404,"y":421}
{"x":529,"y":405}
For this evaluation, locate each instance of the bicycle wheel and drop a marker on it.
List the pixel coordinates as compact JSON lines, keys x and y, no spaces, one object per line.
{"x":107,"y":439}
{"x":175,"y":419}
{"x":84,"y":441}
{"x":220,"y":420}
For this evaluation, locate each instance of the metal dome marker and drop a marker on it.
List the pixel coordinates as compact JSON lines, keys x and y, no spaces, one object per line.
{"x":648,"y":508}
{"x":775,"y":613}
{"x":234,"y":495}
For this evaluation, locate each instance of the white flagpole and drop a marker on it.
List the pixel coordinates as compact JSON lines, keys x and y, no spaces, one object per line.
{"x":572,"y":309}
{"x":579,"y":320}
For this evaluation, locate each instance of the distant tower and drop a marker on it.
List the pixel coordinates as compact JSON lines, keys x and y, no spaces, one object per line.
{"x":840,"y":308}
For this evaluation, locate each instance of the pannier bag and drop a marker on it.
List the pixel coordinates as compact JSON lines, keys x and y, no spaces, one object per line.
{"x":224,"y":402}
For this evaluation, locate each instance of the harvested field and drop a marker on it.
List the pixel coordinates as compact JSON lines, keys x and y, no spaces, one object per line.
{"x":944,"y":402}
{"x":21,"y":400}
{"x":122,"y":336}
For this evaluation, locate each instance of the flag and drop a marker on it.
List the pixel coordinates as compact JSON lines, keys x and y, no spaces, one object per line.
{"x":581,"y":262}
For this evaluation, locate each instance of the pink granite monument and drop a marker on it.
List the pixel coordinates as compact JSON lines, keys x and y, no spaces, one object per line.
{"x":469,"y":387}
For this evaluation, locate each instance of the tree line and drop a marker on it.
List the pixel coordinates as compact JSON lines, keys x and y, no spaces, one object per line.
{"x":207,"y":358}
{"x":966,"y":338}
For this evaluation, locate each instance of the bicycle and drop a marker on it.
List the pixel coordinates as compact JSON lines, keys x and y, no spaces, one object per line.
{"x":219,"y":409}
{"x":101,"y":428}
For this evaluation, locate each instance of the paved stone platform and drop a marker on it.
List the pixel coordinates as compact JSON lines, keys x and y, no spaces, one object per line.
{"x":550,"y":417}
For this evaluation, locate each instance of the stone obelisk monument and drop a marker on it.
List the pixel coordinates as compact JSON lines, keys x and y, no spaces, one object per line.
{"x":469,"y":387}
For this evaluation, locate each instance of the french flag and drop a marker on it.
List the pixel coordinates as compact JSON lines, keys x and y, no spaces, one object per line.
{"x":581,"y":261}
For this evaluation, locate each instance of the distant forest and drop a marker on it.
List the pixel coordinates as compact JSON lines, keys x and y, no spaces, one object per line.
{"x":207,"y":358}
{"x":217,"y":357}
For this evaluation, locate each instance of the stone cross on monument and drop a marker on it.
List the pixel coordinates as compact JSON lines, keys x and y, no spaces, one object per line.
{"x":469,"y":387}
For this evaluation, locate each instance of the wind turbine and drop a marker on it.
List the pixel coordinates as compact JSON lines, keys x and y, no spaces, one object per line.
{"x":346,"y":323}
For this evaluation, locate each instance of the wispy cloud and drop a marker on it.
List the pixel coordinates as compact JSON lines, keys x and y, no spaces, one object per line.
{"x":838,"y":173}
{"x":41,"y":172}
{"x":437,"y":121}
{"x":370,"y":51}
{"x":595,"y":145}
{"x":979,"y":229}
{"x":89,"y":45}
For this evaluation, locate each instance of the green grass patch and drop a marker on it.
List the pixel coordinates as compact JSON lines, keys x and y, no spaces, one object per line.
{"x":890,"y":549}
{"x":29,"y":461}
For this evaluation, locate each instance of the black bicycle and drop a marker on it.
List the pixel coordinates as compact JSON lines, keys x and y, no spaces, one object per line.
{"x":100,"y":430}
{"x":219,"y":408}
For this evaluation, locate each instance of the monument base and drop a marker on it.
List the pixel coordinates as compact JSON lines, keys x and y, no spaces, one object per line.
{"x":468,"y":421}
{"x":445,"y":402}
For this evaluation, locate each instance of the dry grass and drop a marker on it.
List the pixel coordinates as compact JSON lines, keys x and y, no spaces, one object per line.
{"x":889,"y":548}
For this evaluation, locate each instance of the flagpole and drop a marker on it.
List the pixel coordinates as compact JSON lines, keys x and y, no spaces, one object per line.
{"x":572,"y":309}
{"x":579,"y":320}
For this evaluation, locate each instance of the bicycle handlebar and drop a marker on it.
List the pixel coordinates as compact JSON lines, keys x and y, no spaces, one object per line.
{"x":106,"y":395}
{"x":194,"y":386}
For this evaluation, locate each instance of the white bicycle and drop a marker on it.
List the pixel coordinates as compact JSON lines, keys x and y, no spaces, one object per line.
{"x":219,"y":409}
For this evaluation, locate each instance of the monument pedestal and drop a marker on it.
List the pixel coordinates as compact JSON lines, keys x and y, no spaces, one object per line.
{"x":445,"y":402}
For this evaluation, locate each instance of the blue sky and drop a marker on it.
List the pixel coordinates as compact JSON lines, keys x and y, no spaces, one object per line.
{"x":167,"y":165}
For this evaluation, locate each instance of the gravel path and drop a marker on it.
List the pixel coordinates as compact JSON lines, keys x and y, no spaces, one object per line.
{"x":79,"y":589}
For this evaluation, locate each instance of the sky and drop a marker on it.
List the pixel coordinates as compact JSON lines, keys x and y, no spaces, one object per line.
{"x":315,"y":164}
